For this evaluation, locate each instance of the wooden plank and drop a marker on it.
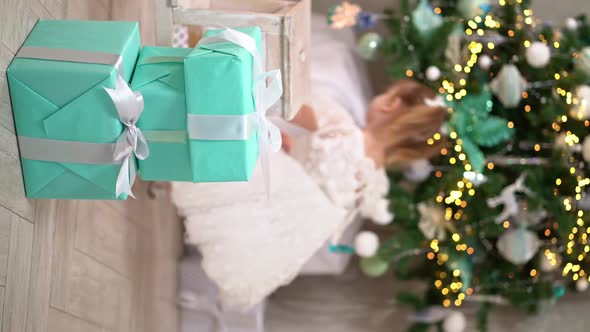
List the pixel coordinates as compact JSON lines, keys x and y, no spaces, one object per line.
{"x":18,"y":21}
{"x":5,"y":222}
{"x":12,"y":195}
{"x":59,"y":321}
{"x":40,"y":284}
{"x":6,"y":119}
{"x":17,"y":281}
{"x":87,"y":10}
{"x":164,"y":23}
{"x":110,"y":239}
{"x":97,"y":294}
{"x":205,"y":17}
{"x":65,"y":232}
{"x":55,"y":7}
{"x":2,"y":291}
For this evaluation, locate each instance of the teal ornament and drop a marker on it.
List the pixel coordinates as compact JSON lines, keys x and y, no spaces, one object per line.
{"x":465,"y":266}
{"x":477,"y":128}
{"x":374,"y":267}
{"x":518,"y":246}
{"x":559,"y":291}
{"x":509,"y":85}
{"x":582,"y":62}
{"x":472,"y":8}
{"x":369,"y":45}
{"x":425,"y":19}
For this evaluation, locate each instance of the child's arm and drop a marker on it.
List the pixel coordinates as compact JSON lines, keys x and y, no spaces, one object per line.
{"x":306,"y":119}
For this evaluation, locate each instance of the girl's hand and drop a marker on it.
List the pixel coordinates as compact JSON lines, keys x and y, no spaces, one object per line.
{"x":306,"y":118}
{"x":287,"y":142}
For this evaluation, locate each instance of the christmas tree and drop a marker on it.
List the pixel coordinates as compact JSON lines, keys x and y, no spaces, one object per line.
{"x":501,"y":217}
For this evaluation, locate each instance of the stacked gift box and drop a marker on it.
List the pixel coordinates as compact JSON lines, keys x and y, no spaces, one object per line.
{"x":92,"y":110}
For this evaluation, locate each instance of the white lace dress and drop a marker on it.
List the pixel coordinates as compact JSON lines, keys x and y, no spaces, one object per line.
{"x":252,"y":246}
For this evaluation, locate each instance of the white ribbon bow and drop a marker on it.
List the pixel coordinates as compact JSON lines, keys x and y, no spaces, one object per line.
{"x":131,"y":142}
{"x":265,"y":96}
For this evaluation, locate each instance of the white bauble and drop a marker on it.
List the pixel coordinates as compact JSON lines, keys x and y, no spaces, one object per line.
{"x":518,"y":246}
{"x":366,"y":244}
{"x":586,"y":149}
{"x":582,"y":285}
{"x":485,"y":62}
{"x":582,"y":61}
{"x":418,"y":171}
{"x":571,"y":24}
{"x":538,"y":55}
{"x":455,"y":322}
{"x":582,"y":110}
{"x":432,"y":73}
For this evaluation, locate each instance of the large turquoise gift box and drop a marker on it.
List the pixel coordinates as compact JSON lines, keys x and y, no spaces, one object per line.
{"x":219,"y":88}
{"x":159,"y":76}
{"x":69,"y":127}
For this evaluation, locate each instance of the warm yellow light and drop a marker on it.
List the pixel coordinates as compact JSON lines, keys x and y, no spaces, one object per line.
{"x":527,"y":44}
{"x":537,"y":147}
{"x":490,"y":166}
{"x":533,"y":273}
{"x":446,"y":303}
{"x":506,"y":224}
{"x":456,"y":237}
{"x":527,"y":108}
{"x":491,"y":46}
{"x":409,"y":73}
{"x":510,"y":124}
{"x":456,"y":273}
{"x":458,"y":67}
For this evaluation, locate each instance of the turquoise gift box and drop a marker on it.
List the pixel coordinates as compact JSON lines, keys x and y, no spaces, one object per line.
{"x":60,"y":100}
{"x":159,"y":76}
{"x":219,"y":82}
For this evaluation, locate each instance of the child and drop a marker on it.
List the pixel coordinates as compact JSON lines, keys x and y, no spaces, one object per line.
{"x":251,"y":246}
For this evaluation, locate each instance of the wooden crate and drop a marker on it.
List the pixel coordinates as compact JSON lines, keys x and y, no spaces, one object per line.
{"x":285,"y":25}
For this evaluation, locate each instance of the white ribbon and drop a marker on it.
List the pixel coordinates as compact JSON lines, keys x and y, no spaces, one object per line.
{"x":265,"y":96}
{"x":131,"y":143}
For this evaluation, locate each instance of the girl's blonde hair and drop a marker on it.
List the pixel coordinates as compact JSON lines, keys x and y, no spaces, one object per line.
{"x":408,"y":134}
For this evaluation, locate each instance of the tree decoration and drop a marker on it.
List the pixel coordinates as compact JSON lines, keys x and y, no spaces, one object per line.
{"x":425,"y":19}
{"x":514,"y":108}
{"x":582,"y":61}
{"x":509,"y":86}
{"x":586,"y":149}
{"x":432,"y":222}
{"x":374,"y":267}
{"x":366,"y":244}
{"x":582,"y":110}
{"x":538,"y":55}
{"x":508,"y":200}
{"x":571,"y":24}
{"x":477,"y":127}
{"x":368,"y":45}
{"x":454,"y":322}
{"x":432,"y":73}
{"x":344,"y":15}
{"x":419,"y":171}
{"x":485,"y":62}
{"x":582,"y":285}
{"x":518,"y":246}
{"x":472,"y":8}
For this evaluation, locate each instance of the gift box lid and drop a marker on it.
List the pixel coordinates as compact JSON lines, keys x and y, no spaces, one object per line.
{"x":238,"y":87}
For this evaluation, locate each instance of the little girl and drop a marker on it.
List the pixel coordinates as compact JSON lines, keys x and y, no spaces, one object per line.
{"x":251,"y":245}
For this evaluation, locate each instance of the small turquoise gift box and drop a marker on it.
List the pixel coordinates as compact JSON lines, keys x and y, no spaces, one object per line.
{"x":222,"y":121}
{"x":74,"y":112}
{"x":159,"y":76}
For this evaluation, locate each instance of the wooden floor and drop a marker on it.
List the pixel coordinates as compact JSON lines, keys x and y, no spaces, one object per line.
{"x":90,"y":266}
{"x":77,"y":266}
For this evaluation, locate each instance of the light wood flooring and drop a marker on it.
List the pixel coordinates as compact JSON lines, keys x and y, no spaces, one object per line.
{"x":80,"y":266}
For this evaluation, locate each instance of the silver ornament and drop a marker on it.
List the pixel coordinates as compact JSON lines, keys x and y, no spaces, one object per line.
{"x":485,"y":62}
{"x":509,"y":85}
{"x":368,"y":46}
{"x":518,"y":246}
{"x":425,"y":19}
{"x":433,"y":73}
{"x":582,"y":61}
{"x":571,"y":24}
